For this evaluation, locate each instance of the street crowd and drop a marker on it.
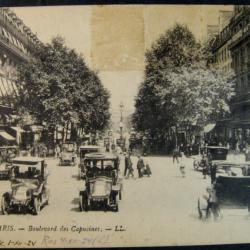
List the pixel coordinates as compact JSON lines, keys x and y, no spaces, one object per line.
{"x":142,"y":166}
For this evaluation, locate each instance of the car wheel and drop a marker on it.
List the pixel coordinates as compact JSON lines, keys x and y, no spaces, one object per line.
{"x":4,"y":206}
{"x":37,"y":206}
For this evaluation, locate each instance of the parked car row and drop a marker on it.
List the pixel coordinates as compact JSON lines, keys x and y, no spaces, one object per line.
{"x":30,"y":192}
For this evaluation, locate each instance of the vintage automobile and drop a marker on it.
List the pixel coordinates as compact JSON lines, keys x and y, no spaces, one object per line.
{"x":102,"y":184}
{"x":7,"y":153}
{"x":234,"y":190}
{"x":5,"y":171}
{"x":29,"y":190}
{"x":68,"y":154}
{"x":232,"y":187}
{"x":214,"y":153}
{"x":83,"y":150}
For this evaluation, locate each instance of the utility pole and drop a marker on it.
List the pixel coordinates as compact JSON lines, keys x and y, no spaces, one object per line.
{"x":121,"y":120}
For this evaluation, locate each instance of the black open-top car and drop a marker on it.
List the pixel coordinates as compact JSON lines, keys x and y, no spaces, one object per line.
{"x":102,"y":185}
{"x":29,"y":189}
{"x":232,"y":186}
{"x":68,"y":155}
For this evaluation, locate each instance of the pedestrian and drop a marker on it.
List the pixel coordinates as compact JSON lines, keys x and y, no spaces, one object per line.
{"x":147,"y":169}
{"x":130,"y":167}
{"x":140,"y":166}
{"x":213,"y":170}
{"x":181,"y":151}
{"x":74,"y":156}
{"x":57,"y":151}
{"x":107,"y":146}
{"x":204,"y":166}
{"x":44,"y":151}
{"x":237,"y":148}
{"x":203,"y":206}
{"x":213,"y":205}
{"x":182,"y":170}
{"x":126,"y":161}
{"x":176,"y":155}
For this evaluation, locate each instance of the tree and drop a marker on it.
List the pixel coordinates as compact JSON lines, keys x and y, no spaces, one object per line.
{"x":58,"y":89}
{"x":179,"y":86}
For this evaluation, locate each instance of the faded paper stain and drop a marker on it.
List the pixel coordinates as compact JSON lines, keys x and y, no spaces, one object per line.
{"x":117,"y":41}
{"x":159,"y":18}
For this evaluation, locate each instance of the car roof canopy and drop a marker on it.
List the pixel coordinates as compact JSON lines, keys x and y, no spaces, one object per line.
{"x":100,"y":156}
{"x":22,"y":161}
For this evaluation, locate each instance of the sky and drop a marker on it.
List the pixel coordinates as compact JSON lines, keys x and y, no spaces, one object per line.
{"x":113,"y":39}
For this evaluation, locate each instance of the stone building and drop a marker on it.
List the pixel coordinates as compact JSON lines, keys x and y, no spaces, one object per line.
{"x":231,"y":50}
{"x":17,"y":44}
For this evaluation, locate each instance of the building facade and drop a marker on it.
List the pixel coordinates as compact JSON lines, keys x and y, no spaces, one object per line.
{"x":231,"y":50}
{"x":17,"y":45}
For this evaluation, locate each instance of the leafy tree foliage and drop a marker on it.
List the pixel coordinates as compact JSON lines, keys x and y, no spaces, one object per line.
{"x":57,"y":88}
{"x":179,"y":86}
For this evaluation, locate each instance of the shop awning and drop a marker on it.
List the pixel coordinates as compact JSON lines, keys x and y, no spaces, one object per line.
{"x":209,"y":127}
{"x":6,"y":136}
{"x":7,"y":87}
{"x":18,"y":129}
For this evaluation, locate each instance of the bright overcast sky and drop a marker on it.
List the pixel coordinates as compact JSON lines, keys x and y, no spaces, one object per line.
{"x":113,"y":39}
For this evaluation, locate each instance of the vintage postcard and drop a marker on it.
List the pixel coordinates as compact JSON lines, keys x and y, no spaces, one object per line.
{"x":124,"y":125}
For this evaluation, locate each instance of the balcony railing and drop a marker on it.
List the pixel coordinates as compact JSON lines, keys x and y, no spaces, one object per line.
{"x":14,"y":30}
{"x":9,"y":46}
{"x":240,"y":35}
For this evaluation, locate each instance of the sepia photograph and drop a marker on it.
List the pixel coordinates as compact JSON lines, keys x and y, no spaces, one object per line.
{"x":124,"y":125}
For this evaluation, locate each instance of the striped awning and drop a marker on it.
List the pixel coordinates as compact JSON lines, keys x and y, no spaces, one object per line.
{"x":209,"y":127}
{"x":6,"y":136}
{"x":7,"y":87}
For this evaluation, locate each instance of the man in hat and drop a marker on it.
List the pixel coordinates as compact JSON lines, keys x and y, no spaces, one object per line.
{"x":213,"y":170}
{"x":126,"y":159}
{"x":176,"y":155}
{"x":140,"y":166}
{"x":130,"y":167}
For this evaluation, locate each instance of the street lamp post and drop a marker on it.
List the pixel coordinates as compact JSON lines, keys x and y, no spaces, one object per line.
{"x":121,"y":120}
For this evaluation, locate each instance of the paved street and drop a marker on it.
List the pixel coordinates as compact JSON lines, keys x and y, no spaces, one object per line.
{"x":163,"y":206}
